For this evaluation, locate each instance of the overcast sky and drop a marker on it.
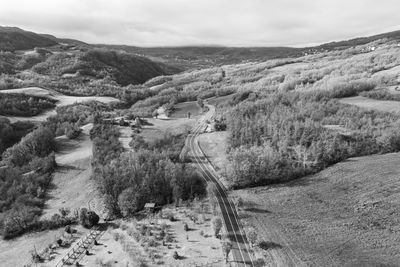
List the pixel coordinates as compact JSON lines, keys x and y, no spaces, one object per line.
{"x":203,"y":22}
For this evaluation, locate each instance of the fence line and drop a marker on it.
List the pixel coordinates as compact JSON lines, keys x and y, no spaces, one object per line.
{"x":80,"y":247}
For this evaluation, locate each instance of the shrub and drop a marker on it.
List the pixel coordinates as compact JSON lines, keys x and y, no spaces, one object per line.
{"x":87,"y":218}
{"x":168,"y":238}
{"x":217,"y":225}
{"x":175,"y":255}
{"x":116,"y":236}
{"x":72,"y":132}
{"x":252,"y":235}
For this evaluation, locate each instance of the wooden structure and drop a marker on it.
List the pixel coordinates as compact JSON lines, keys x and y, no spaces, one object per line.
{"x":80,"y":248}
{"x":150,"y":207}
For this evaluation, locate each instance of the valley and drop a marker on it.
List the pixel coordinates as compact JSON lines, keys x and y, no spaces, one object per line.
{"x":199,"y":156}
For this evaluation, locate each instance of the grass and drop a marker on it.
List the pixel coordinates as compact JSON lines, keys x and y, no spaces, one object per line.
{"x":181,"y":110}
{"x":215,"y":145}
{"x":157,"y":128}
{"x":364,"y":102}
{"x":345,"y":215}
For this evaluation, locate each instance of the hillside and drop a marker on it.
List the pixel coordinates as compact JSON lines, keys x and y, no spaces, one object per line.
{"x":189,"y":57}
{"x":12,"y":38}
{"x":124,"y":68}
{"x":395,"y":35}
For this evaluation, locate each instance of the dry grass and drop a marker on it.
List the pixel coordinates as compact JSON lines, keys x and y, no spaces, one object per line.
{"x":347,"y":215}
{"x":72,"y":186}
{"x":364,"y":102}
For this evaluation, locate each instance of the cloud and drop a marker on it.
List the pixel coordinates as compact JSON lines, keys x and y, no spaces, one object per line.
{"x":184,"y":22}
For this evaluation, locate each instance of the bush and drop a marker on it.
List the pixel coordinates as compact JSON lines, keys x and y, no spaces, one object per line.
{"x":217,"y":225}
{"x":168,"y":238}
{"x":88,"y":219}
{"x":72,"y":132}
{"x":175,"y":255}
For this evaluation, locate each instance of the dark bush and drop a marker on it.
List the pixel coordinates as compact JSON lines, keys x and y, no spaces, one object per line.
{"x":87,"y":218}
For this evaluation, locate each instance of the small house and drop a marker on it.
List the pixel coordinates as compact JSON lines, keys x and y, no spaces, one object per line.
{"x":150,"y":207}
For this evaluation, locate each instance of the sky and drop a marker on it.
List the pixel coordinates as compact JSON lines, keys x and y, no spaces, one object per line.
{"x":203,"y":22}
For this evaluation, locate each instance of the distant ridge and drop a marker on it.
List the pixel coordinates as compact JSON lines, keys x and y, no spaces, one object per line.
{"x":13,"y":38}
{"x":395,"y":35}
{"x":185,"y":57}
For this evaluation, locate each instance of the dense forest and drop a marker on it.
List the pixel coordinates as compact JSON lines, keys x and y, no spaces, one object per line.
{"x":150,"y":174}
{"x":69,"y":118}
{"x":25,"y":176}
{"x":23,"y":105}
{"x":11,"y":133}
{"x":288,"y":135}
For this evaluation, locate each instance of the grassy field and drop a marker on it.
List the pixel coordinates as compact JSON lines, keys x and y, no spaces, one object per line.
{"x":215,"y":145}
{"x":347,"y":215}
{"x":157,"y":128}
{"x":181,"y":110}
{"x":364,"y":102}
{"x":73,"y":173}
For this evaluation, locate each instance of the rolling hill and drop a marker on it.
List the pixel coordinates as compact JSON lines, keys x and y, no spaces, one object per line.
{"x":207,"y":56}
{"x":13,"y":38}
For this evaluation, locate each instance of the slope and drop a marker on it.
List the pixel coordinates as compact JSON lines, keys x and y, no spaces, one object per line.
{"x":13,"y":38}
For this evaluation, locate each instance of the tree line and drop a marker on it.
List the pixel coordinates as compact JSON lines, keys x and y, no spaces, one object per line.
{"x":25,"y":176}
{"x":23,"y":105}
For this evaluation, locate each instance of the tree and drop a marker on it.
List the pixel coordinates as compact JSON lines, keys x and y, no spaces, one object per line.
{"x":217,"y":225}
{"x":200,"y":102}
{"x":252,"y":235}
{"x":239,"y":202}
{"x":211,"y":189}
{"x":128,"y":201}
{"x":87,"y":218}
{"x":227,"y":246}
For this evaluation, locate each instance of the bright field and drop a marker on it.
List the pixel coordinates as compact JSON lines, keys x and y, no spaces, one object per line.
{"x":364,"y":102}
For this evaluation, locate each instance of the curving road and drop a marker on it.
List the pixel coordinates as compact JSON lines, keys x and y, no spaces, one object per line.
{"x":240,"y":248}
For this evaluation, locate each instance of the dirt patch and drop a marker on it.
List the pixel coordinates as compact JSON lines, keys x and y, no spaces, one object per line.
{"x":347,"y":215}
{"x":368,"y":103}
